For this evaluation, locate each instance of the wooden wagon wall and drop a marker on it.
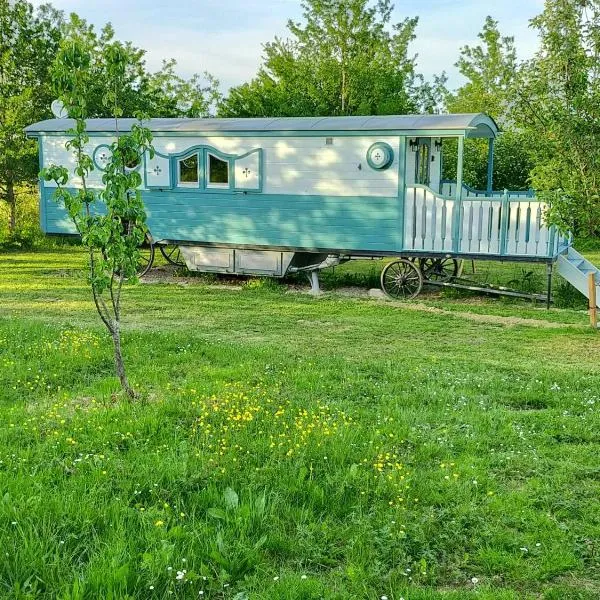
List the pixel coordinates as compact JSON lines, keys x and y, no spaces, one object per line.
{"x":314,"y":195}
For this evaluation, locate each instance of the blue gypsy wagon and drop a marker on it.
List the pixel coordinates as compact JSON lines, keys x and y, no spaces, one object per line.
{"x":272,"y":196}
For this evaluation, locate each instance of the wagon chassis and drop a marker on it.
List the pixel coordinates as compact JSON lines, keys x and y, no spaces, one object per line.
{"x":404,"y":282}
{"x":401,"y":279}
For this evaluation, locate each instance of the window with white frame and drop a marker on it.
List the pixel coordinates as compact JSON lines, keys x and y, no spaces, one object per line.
{"x":187,"y":171}
{"x":217,"y":171}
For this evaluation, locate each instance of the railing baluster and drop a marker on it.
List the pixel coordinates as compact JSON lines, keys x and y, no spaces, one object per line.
{"x":517,"y":228}
{"x":504,"y":223}
{"x":443,"y":226}
{"x":490,"y":226}
{"x":470,"y":233}
{"x":538,"y":227}
{"x":423,"y":219}
{"x":433,"y":222}
{"x":414,"y":231}
{"x":480,"y":226}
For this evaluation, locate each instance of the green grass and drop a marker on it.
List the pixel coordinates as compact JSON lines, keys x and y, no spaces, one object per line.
{"x":287,"y":447}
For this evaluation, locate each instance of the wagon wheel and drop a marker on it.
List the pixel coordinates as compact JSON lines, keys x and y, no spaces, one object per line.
{"x":438,"y":269}
{"x":401,"y":279}
{"x":146,"y":259}
{"x":173,"y":255}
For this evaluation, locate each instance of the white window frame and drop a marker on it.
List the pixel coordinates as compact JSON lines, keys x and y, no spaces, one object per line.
{"x":213,"y":185}
{"x":189,"y":184}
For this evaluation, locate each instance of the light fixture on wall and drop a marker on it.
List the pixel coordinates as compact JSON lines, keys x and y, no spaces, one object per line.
{"x":413,"y":145}
{"x":438,"y":145}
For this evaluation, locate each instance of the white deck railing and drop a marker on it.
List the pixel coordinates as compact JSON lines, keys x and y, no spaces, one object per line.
{"x":448,"y":188}
{"x":503,"y":227}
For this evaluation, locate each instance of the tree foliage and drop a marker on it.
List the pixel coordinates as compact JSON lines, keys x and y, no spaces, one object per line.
{"x":28,"y":43}
{"x":489,"y":69}
{"x":559,"y":105}
{"x":343,"y":59}
{"x":160,"y":94}
{"x":111,"y":221}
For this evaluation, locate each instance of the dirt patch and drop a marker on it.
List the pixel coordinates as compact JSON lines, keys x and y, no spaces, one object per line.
{"x":168,"y":274}
{"x":489,"y":319}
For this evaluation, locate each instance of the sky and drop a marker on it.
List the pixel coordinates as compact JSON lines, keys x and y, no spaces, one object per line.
{"x":225,"y":37}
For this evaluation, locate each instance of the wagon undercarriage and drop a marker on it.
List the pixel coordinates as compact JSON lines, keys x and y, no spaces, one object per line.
{"x":403,"y":278}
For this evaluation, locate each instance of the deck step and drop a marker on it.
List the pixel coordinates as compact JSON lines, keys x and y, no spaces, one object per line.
{"x":576,"y":270}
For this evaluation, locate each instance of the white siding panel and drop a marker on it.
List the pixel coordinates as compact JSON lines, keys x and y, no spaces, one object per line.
{"x":292,"y":165}
{"x":246,"y":172}
{"x":158,"y":172}
{"x":55,"y":153}
{"x":307,"y":165}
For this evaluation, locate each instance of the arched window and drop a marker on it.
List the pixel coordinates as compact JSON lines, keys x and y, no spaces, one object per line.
{"x":218,"y":171}
{"x":187,"y":171}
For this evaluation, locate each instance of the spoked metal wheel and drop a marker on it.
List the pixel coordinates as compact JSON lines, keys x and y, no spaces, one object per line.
{"x":146,"y":259}
{"x":173,"y":255}
{"x":401,"y":279}
{"x":438,"y":269}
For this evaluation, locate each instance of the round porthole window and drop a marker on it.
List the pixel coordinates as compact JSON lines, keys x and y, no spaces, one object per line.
{"x":102,"y":155}
{"x":380,"y":156}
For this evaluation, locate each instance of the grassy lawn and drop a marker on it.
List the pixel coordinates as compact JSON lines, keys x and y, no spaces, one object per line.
{"x":287,"y":447}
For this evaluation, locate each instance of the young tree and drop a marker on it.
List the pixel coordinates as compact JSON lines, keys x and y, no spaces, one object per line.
{"x":558,"y":103}
{"x":110,"y":221}
{"x":489,"y":69}
{"x":342,"y":60}
{"x":28,"y":43}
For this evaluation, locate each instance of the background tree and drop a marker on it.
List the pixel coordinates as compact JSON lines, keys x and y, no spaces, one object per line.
{"x":28,"y":43}
{"x":343,"y":59}
{"x":110,"y":221}
{"x":167,"y":94}
{"x":559,"y":105}
{"x":489,"y":69}
{"x":160,"y":94}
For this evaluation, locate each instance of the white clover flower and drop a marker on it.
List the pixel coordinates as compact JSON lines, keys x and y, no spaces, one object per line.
{"x":474,"y":580}
{"x":180,"y":575}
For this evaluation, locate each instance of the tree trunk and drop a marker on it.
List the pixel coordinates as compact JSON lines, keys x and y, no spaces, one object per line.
{"x":119,"y":365}
{"x":12,"y":207}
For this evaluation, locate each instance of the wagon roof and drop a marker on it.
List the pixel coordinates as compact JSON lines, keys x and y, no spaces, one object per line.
{"x":471,"y":124}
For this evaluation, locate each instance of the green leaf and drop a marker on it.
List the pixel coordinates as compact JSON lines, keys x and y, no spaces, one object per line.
{"x":216,"y":513}
{"x":231,"y":499}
